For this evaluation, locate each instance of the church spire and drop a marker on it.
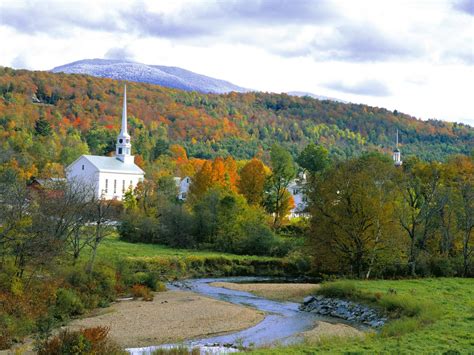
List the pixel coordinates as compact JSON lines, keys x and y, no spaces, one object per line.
{"x":124,"y":148}
{"x":124,"y":112}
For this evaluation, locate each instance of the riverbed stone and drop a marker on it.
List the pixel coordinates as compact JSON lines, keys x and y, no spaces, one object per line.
{"x":343,"y":309}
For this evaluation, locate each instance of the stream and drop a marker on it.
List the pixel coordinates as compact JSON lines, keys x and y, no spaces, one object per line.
{"x":282,"y":323}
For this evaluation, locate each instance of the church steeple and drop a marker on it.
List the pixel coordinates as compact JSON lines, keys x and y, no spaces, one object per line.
{"x":123,"y":149}
{"x":396,"y":154}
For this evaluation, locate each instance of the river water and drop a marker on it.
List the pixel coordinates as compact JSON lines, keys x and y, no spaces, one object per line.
{"x":282,"y":324}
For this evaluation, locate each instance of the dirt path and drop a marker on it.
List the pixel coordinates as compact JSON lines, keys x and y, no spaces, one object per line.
{"x":171,"y":317}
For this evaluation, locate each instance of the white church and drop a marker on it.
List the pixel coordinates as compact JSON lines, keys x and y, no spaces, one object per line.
{"x":109,"y":177}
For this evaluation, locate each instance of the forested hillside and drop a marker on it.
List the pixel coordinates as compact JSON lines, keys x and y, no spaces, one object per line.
{"x":47,"y":120}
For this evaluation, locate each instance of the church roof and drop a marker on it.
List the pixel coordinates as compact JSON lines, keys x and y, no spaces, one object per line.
{"x":113,"y":165}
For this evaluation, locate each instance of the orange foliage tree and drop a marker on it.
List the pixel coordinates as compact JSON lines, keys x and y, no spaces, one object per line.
{"x":252,"y":181}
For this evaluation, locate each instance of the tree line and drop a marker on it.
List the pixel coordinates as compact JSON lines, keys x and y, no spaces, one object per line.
{"x":372,"y":219}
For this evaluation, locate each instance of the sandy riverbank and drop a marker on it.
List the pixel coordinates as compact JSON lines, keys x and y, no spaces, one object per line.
{"x":171,"y":317}
{"x":280,"y":292}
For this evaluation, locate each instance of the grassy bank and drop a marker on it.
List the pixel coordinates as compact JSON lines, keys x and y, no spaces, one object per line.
{"x":433,"y":316}
{"x":168,"y":263}
{"x":114,"y":249}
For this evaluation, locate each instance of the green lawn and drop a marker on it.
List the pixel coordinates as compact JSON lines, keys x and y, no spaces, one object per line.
{"x":452,"y":331}
{"x":112,"y":248}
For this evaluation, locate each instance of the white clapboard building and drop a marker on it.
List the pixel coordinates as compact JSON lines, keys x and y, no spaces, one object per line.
{"x":109,"y":177}
{"x":297,"y":189}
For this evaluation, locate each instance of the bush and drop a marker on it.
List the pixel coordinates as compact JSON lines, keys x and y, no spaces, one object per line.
{"x":95,"y":289}
{"x":143,"y":292}
{"x":136,"y":228}
{"x":301,"y":262}
{"x":86,"y":341}
{"x":68,"y":304}
{"x":340,"y":289}
{"x":160,"y":287}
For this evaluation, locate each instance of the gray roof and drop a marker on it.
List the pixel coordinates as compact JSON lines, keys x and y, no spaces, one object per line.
{"x":113,"y":165}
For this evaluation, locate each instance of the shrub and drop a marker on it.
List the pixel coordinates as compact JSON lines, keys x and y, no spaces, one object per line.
{"x":160,"y":287}
{"x":96,"y":289}
{"x":301,"y":262}
{"x":136,"y":228}
{"x":86,"y":341}
{"x":341,"y":289}
{"x":67,"y":304}
{"x":66,"y":342}
{"x":140,"y":291}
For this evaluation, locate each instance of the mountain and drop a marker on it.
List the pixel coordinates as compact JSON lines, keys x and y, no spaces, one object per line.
{"x":314,"y":96}
{"x":172,"y":77}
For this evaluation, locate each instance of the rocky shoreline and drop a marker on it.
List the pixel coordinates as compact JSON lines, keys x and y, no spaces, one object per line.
{"x":347,"y":310}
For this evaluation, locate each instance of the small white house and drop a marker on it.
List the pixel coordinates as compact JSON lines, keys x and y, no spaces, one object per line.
{"x":183,"y":187}
{"x":297,"y":190}
{"x":109,"y":177}
{"x":397,"y":157}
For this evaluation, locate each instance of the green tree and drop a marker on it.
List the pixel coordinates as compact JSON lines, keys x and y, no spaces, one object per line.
{"x":43,"y":127}
{"x":352,"y":212}
{"x":283,"y":172}
{"x":419,"y":209}
{"x":314,"y":158}
{"x":130,"y":202}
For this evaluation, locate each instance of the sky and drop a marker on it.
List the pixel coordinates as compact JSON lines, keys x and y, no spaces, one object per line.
{"x":415,"y":56}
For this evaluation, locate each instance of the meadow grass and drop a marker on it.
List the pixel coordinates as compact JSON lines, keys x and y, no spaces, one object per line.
{"x":114,"y":249}
{"x":167,"y":263}
{"x":435,"y":316}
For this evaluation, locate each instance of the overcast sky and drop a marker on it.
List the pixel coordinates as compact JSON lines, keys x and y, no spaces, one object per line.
{"x":413,"y":56}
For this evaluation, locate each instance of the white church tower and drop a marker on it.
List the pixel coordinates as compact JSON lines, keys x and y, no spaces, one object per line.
{"x":123,"y":149}
{"x":396,"y":154}
{"x":109,"y":177}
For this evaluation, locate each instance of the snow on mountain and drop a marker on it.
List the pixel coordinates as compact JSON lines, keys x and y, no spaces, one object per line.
{"x":171,"y":77}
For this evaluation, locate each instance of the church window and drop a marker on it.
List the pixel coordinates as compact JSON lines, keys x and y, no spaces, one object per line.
{"x":123,"y":186}
{"x":115,"y":186}
{"x":82,"y":166}
{"x":128,"y":150}
{"x":131,"y":184}
{"x":106,"y":185}
{"x":120,"y":150}
{"x":120,"y":140}
{"x":128,"y":140}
